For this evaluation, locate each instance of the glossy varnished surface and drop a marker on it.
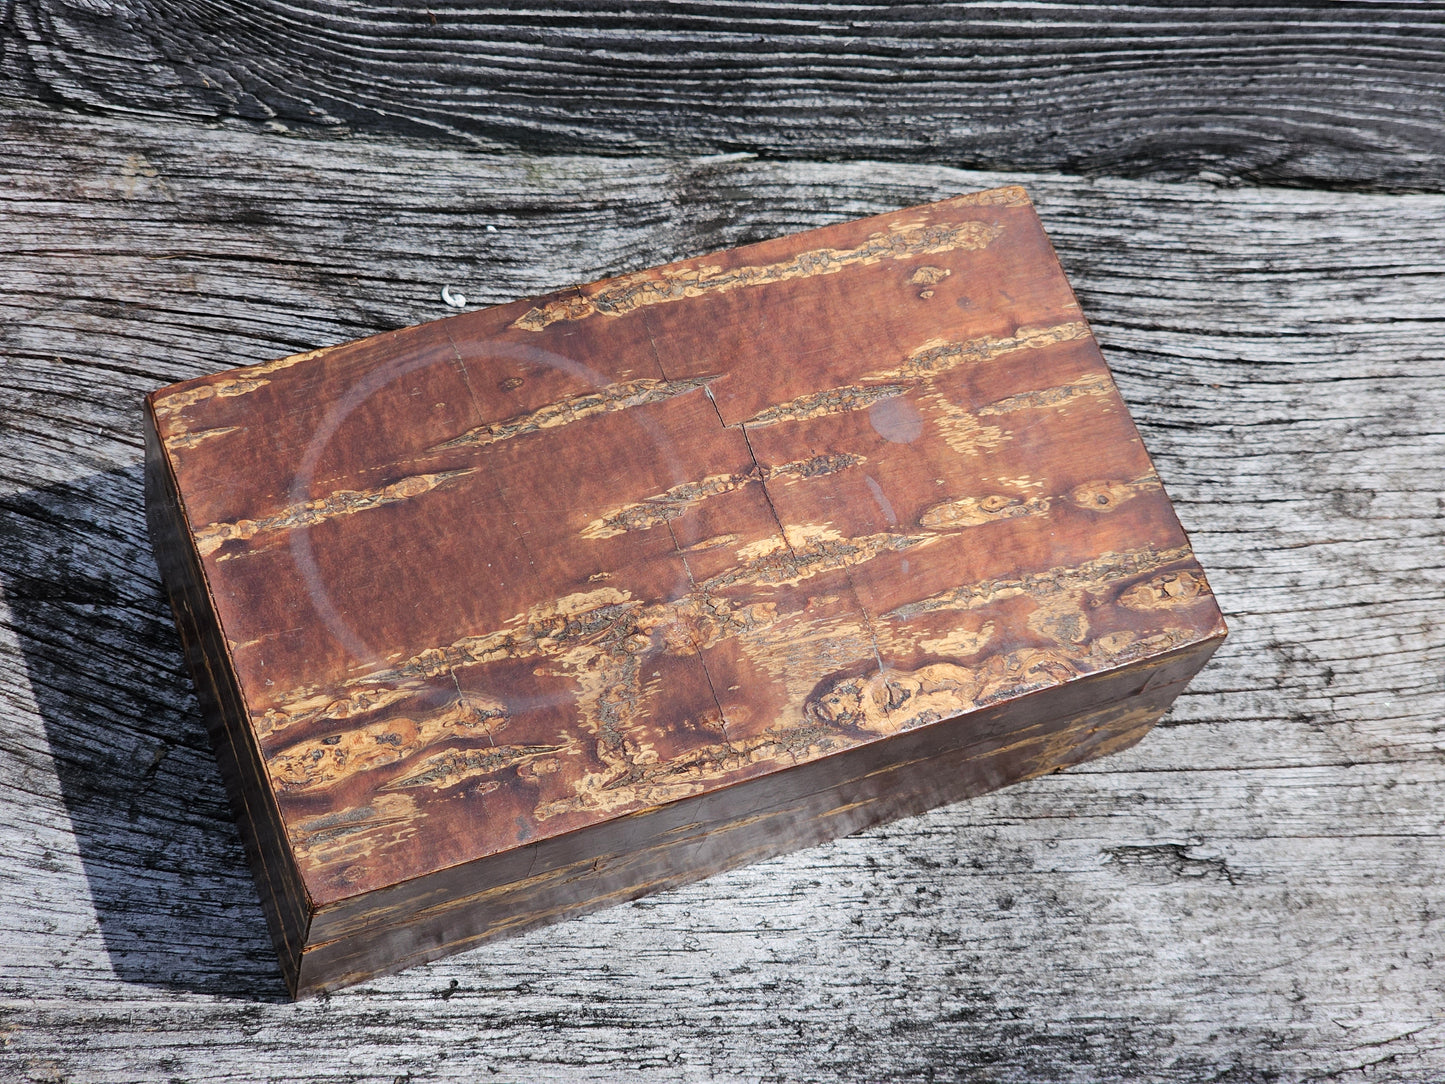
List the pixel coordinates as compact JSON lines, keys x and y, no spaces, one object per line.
{"x":506,"y":578}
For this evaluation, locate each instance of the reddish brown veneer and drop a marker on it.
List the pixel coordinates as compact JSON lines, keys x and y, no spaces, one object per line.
{"x":547,"y":606}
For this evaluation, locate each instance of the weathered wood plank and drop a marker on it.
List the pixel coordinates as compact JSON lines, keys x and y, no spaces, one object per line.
{"x":1334,"y":94}
{"x":1252,"y":891}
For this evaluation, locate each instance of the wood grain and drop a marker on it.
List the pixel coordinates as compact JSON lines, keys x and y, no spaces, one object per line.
{"x":1248,"y":893}
{"x":1332,"y":94}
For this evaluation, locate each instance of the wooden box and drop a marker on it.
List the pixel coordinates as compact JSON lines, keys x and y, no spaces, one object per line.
{"x":556,"y":604}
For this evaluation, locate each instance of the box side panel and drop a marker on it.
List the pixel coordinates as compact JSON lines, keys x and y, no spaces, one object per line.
{"x":672,"y":845}
{"x":282,"y":895}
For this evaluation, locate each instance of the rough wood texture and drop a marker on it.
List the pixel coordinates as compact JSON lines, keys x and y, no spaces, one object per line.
{"x":1251,"y":893}
{"x":575,"y":599}
{"x":1321,"y":93}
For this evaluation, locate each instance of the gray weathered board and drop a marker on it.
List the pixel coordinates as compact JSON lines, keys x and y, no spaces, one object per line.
{"x":1253,"y":893}
{"x":1317,"y":92}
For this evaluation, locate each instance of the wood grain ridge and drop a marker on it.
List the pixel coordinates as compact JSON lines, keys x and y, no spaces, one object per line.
{"x":1328,"y":95}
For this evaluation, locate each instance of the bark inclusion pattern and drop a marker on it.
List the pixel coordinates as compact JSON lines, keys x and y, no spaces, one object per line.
{"x":799,"y":613}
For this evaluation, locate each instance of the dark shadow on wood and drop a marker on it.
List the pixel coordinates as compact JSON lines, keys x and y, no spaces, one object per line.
{"x":173,"y":895}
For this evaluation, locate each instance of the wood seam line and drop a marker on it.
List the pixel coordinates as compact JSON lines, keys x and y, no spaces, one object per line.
{"x":462,"y":366}
{"x":768,"y":497}
{"x":652,"y":344}
{"x":697,"y":648}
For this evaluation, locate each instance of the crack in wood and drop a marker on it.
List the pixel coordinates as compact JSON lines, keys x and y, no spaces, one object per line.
{"x":664,"y":507}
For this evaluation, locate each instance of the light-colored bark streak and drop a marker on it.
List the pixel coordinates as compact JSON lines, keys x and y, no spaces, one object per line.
{"x":605,"y":400}
{"x":829,"y":401}
{"x":973,"y":511}
{"x":814,"y":467}
{"x":940,"y":356}
{"x":665,"y":507}
{"x":321,"y":762}
{"x":181,"y":439}
{"x":287,"y":362}
{"x":1101,"y":497}
{"x":241,"y":381}
{"x":545,"y":628}
{"x":928,"y":362}
{"x":659,"y":287}
{"x":967,"y":433}
{"x":963,"y":431}
{"x":312,"y":705}
{"x":1095,"y":385}
{"x":171,"y":407}
{"x":928,"y":276}
{"x":1103,"y":569}
{"x":453,"y":766}
{"x":807,"y":550}
{"x":168,"y":406}
{"x":344,"y":502}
